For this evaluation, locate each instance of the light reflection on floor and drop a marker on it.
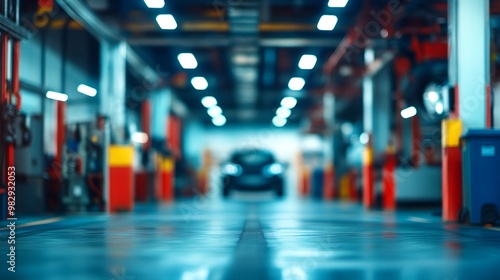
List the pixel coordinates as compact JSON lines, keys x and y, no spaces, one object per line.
{"x":254,"y":236}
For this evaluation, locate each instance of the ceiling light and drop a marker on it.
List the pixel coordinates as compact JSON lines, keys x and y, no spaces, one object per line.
{"x":166,"y":22}
{"x":187,"y":60}
{"x":307,"y":62}
{"x":214,"y":112}
{"x":209,"y":101}
{"x":219,"y":120}
{"x":57,"y":96}
{"x":409,"y":112}
{"x":296,"y":83}
{"x":432,"y":96}
{"x":327,"y":22}
{"x":199,"y":83}
{"x":155,"y":4}
{"x":84,"y":89}
{"x":439,"y":108}
{"x":289,"y":102}
{"x":337,"y":3}
{"x":364,"y":138}
{"x":283,"y":112}
{"x":140,"y":137}
{"x":279,"y":122}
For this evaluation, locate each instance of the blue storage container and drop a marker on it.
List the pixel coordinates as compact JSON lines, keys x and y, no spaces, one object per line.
{"x":481,"y":175}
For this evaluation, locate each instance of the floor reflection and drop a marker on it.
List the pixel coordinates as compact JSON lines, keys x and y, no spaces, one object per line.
{"x":255,"y":236}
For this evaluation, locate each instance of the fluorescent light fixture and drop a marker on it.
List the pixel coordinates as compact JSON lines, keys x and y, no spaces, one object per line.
{"x":140,"y":137}
{"x":199,"y":83}
{"x":166,"y":22}
{"x":283,"y":112}
{"x":432,"y":96}
{"x":187,"y":61}
{"x":409,"y":112}
{"x":327,"y":22}
{"x":439,"y":108}
{"x":296,"y":84}
{"x":155,"y":4}
{"x":214,"y":112}
{"x":219,"y":120}
{"x":307,"y":62}
{"x":84,"y":89}
{"x":289,"y":102}
{"x":364,"y":138}
{"x":57,"y":96}
{"x":209,"y":101}
{"x":337,"y":3}
{"x":279,"y":122}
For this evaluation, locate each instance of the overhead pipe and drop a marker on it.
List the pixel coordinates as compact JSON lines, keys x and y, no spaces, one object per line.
{"x":355,"y":34}
{"x":348,"y":41}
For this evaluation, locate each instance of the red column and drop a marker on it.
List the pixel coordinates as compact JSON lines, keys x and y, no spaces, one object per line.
{"x":452,"y":170}
{"x":389,"y":181}
{"x":329,"y":183}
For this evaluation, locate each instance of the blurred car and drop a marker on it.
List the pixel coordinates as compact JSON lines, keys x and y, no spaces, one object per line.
{"x":252,"y":170}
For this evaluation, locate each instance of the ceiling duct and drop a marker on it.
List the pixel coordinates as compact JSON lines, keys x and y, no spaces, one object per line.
{"x":244,"y":20}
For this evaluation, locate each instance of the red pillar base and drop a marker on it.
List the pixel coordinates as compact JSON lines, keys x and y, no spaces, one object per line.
{"x":121,"y":181}
{"x":452,"y":183}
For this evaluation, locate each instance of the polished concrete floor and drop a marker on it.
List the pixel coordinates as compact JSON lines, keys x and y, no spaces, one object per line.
{"x":199,"y":239}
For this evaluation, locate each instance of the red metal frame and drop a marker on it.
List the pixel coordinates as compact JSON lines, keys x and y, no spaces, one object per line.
{"x":6,"y":97}
{"x":60,"y":132}
{"x":146,"y":122}
{"x":415,"y":141}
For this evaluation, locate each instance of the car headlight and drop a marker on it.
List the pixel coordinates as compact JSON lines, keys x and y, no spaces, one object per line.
{"x":273,"y":170}
{"x":231,"y":169}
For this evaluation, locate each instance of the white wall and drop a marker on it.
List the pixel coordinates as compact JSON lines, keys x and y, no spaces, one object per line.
{"x":283,"y":142}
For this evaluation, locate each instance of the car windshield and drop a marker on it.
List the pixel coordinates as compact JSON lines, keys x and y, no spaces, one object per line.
{"x":253,"y":158}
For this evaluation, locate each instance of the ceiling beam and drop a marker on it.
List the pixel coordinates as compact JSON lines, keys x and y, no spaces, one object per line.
{"x":81,"y":13}
{"x":226,"y":41}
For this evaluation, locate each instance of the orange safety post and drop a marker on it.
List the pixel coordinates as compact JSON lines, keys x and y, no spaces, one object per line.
{"x":329,"y":183}
{"x":121,"y":179}
{"x":302,"y":177}
{"x":202,"y":181}
{"x":368,"y":176}
{"x":203,"y":175}
{"x":305,"y":182}
{"x":389,"y":181}
{"x":344,"y":187}
{"x":452,"y":169}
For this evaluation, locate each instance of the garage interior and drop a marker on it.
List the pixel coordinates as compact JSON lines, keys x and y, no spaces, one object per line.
{"x":249,"y":139}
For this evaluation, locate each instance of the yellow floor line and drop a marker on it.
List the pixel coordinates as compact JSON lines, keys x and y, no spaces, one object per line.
{"x":37,"y":223}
